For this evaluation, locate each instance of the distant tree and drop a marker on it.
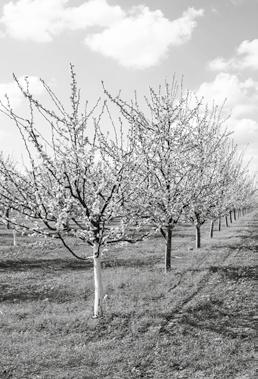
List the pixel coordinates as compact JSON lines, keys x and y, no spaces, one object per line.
{"x":209,"y":167}
{"x":225,"y":176}
{"x":220,"y":178}
{"x":79,"y":181}
{"x":244,"y":190}
{"x":5,"y":210}
{"x":162,"y":134}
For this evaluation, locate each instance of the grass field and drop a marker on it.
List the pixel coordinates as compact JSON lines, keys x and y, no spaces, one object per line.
{"x":198,"y":321}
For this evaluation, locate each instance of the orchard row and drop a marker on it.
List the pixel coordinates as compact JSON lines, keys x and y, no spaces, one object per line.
{"x":121,"y":171}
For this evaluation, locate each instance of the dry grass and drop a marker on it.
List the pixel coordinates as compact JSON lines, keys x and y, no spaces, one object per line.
{"x":195,"y":322}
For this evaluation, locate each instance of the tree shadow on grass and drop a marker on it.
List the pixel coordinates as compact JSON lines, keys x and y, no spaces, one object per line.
{"x":6,"y":234}
{"x":235,"y":272}
{"x":44,"y":264}
{"x":17,"y":295}
{"x":245,"y":244}
{"x":183,"y":235}
{"x":253,"y":236}
{"x":131,"y":262}
{"x":210,"y":315}
{"x":242,"y":248}
{"x":60,"y":264}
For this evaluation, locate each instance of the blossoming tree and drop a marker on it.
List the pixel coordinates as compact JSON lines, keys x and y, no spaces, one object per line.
{"x":162,"y":135}
{"x":208,"y":167}
{"x":78,"y":182}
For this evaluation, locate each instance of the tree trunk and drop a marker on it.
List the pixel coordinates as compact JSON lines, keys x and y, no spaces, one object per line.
{"x":198,"y":236}
{"x":230,"y":216}
{"x":14,"y":238}
{"x":234,"y":213}
{"x":211,"y":228}
{"x":226,"y":220}
{"x":219,"y":224}
{"x":7,"y":214}
{"x":98,"y":286}
{"x":168,"y":249}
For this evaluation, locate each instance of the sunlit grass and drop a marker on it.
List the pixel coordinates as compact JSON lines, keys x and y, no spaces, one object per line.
{"x":194,"y":322}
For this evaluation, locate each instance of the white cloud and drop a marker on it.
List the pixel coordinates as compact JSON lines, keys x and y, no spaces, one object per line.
{"x":248,"y":50}
{"x":3,"y":133}
{"x":218,"y":64}
{"x":246,"y":57}
{"x":32,"y":19}
{"x":245,"y":131}
{"x":241,"y":104}
{"x":241,"y":96}
{"x":15,"y":95}
{"x":143,"y":38}
{"x":236,"y":2}
{"x":137,"y":38}
{"x":41,"y":20}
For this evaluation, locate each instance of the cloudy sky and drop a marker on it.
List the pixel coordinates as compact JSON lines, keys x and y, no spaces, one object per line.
{"x":131,"y":45}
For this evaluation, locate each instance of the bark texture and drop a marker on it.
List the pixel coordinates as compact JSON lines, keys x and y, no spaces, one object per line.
{"x":14,"y":238}
{"x":98,"y":286}
{"x":211,"y":228}
{"x":198,"y":236}
{"x":219,"y":224}
{"x":7,"y":214}
{"x":168,"y":249}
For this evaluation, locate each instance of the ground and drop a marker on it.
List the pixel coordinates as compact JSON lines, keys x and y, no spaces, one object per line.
{"x":197,"y":321}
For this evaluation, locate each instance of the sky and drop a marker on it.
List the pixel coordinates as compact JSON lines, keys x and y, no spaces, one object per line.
{"x":132,"y":45}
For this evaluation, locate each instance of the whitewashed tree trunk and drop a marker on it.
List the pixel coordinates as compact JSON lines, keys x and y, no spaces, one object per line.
{"x":98,"y":286}
{"x":14,"y":238}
